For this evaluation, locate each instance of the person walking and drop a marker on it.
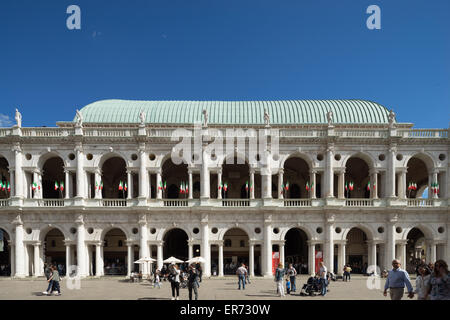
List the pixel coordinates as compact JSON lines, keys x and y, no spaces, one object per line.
{"x":422,"y":282}
{"x":48,"y":274}
{"x":200,"y":271}
{"x":323,"y":278}
{"x":193,"y":284}
{"x":279,"y":276}
{"x":54,"y":278}
{"x":439,"y":284}
{"x":247,"y":275}
{"x":347,"y":271}
{"x":157,"y":279}
{"x":396,"y":280}
{"x":292,"y":273}
{"x":174,"y":278}
{"x":241,"y":272}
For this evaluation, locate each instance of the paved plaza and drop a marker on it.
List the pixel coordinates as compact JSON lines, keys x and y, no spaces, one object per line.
{"x":118,"y":288}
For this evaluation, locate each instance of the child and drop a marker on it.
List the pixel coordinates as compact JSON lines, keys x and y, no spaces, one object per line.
{"x":157,"y":280}
{"x":288,"y":286}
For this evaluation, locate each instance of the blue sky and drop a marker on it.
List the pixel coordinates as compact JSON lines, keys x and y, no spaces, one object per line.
{"x":224,"y":50}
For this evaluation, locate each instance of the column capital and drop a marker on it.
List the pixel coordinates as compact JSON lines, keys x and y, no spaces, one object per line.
{"x":80,"y":220}
{"x":340,"y":242}
{"x":402,"y":170}
{"x":252,"y":170}
{"x":313,"y":242}
{"x":36,"y":243}
{"x":17,"y":221}
{"x":69,"y":242}
{"x":374,"y":171}
{"x":279,"y":242}
{"x":313,"y":171}
{"x":129,"y":243}
{"x":401,"y":242}
{"x":281,"y":171}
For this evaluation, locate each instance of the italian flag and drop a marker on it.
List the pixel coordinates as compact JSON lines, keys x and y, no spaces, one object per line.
{"x":186,"y":184}
{"x":62,"y":186}
{"x":101,"y":185}
{"x":368,"y":186}
{"x":286,"y":187}
{"x":125,"y":187}
{"x":351,"y":186}
{"x":282,"y":188}
{"x":346,"y":186}
{"x":307,"y":186}
{"x":56,"y":185}
{"x":246,"y":186}
{"x":9,"y":187}
{"x":251,"y":187}
{"x":160,"y":185}
{"x":120,"y":186}
{"x":165,"y":185}
{"x":225,"y":187}
{"x":96,"y":185}
{"x":435,"y":187}
{"x":374,"y":185}
{"x":181,"y":187}
{"x":2,"y":186}
{"x":220,"y":186}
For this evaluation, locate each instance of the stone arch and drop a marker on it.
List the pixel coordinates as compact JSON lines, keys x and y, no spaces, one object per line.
{"x":309,"y":161}
{"x":98,"y":163}
{"x":365,"y":228}
{"x":370,"y":161}
{"x":426,"y":230}
{"x":8,"y":231}
{"x":175,"y":246}
{"x":163,"y":232}
{"x":303,"y":228}
{"x":7,"y":158}
{"x":40,"y":161}
{"x":425,"y":157}
{"x":107,"y":229}
{"x":240,"y":226}
{"x":237,"y":155}
{"x":45,"y":230}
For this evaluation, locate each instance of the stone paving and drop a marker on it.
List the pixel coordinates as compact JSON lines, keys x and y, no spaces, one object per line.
{"x":118,"y":288}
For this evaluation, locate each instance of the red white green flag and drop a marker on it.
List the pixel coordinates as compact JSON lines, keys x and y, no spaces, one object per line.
{"x":181,"y":188}
{"x":220,"y":186}
{"x":56,"y":185}
{"x":160,"y":185}
{"x":2,"y":186}
{"x":120,"y":186}
{"x":9,"y":187}
{"x":346,"y":186}
{"x":225,"y":187}
{"x":125,"y":187}
{"x":307,"y":186}
{"x":286,"y":187}
{"x":351,"y":186}
{"x":61,"y":186}
{"x":282,"y":188}
{"x":246,"y":186}
{"x":101,"y":185}
{"x":368,"y":186}
{"x":165,"y":185}
{"x":186,"y":187}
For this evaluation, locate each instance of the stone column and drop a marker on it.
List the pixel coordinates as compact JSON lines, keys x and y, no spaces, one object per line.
{"x":341,"y":259}
{"x":12,"y":184}
{"x":267,"y":266}
{"x":390,"y":176}
{"x":280,"y":183}
{"x":329,"y":245}
{"x":432,"y":246}
{"x":80,"y":173}
{"x":328,"y":179}
{"x":66,"y":184}
{"x":158,"y":185}
{"x":282,"y":259}
{"x":221,"y":259}
{"x":98,"y":260}
{"x":252,"y":183}
{"x":402,"y":253}
{"x":372,"y":255}
{"x":204,"y":177}
{"x":341,"y":184}
{"x":68,"y":258}
{"x":36,"y":261}
{"x":191,"y":185}
{"x":12,"y":248}
{"x":402,"y":184}
{"x":20,"y":249}
{"x":390,"y":245}
{"x":311,"y":257}
{"x":130,"y":184}
{"x":206,"y":249}
{"x":374,"y":184}
{"x":252,"y":259}
{"x":81,"y":248}
{"x":219,"y":182}
{"x":190,"y":249}
{"x":142,"y":174}
{"x":130,"y":258}
{"x":143,"y":242}
{"x":159,"y":255}
{"x":36,"y":179}
{"x":19,"y":187}
{"x":313,"y":184}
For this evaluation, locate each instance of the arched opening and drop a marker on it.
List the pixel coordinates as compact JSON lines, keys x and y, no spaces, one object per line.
{"x":55,"y":250}
{"x":296,"y":173}
{"x":5,"y":180}
{"x":114,"y":177}
{"x":53,"y":178}
{"x":115,"y":253}
{"x":176,"y":179}
{"x":357,"y":250}
{"x":416,"y":249}
{"x":5,"y":254}
{"x":175,"y":244}
{"x":417,"y":175}
{"x":356,"y":178}
{"x":296,"y":250}
{"x":236,"y":250}
{"x":235,"y":176}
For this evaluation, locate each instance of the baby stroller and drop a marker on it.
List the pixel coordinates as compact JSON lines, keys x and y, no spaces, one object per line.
{"x":312,"y":287}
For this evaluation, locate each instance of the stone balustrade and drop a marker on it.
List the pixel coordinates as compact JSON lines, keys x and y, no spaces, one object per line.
{"x":297,"y":203}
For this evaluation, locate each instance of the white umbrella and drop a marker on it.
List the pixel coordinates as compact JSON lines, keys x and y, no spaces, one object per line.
{"x":145,"y":260}
{"x":173,"y":259}
{"x":197,"y":260}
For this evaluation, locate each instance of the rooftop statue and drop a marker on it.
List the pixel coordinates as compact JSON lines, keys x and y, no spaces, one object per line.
{"x":266,"y":118}
{"x":330,"y":117}
{"x":18,"y":118}
{"x":79,"y":118}
{"x":205,"y":118}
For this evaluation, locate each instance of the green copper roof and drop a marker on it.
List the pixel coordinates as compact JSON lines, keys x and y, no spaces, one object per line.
{"x":236,"y":112}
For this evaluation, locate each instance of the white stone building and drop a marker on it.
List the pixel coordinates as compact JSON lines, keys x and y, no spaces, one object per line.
{"x":104,"y":230}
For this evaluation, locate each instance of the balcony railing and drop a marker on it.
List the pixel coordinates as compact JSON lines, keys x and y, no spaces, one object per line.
{"x":424,"y":133}
{"x":176,"y":203}
{"x":109,"y":132}
{"x":114,"y":203}
{"x":359,"y":202}
{"x":51,"y":202}
{"x":235,"y":203}
{"x":297,"y":203}
{"x":420,"y":202}
{"x":5,"y":202}
{"x":46,"y":132}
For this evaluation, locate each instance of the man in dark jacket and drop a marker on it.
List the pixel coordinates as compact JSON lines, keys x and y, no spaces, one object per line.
{"x":193,"y":282}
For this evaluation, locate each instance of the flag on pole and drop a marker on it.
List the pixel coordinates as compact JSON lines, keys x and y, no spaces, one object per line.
{"x":225,"y":187}
{"x":282,"y":188}
{"x":346,"y":186}
{"x":62,"y":186}
{"x":181,"y":188}
{"x":307,"y":186}
{"x":120,"y":186}
{"x":101,"y":185}
{"x":287,"y":186}
{"x":56,"y":186}
{"x":368,"y":186}
{"x":351,"y":186}
{"x":246,"y":186}
{"x":160,"y":185}
{"x":1,"y":185}
{"x":374,"y":185}
{"x":9,"y":187}
{"x":187,"y":187}
{"x":220,"y":186}
{"x":165,"y":185}
{"x":251,"y":186}
{"x":125,"y":187}
{"x":96,"y":185}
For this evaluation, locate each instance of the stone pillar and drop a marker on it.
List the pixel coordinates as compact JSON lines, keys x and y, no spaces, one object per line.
{"x":190,"y":249}
{"x":390,"y":177}
{"x":206,"y":249}
{"x":372,"y":255}
{"x":158,"y":185}
{"x":12,"y":248}
{"x":98,"y":180}
{"x":98,"y":260}
{"x":36,"y":179}
{"x":402,"y":184}
{"x":374,"y":184}
{"x":432,"y":245}
{"x":191,"y":185}
{"x":68,"y":258}
{"x":313,"y":184}
{"x":311,"y":257}
{"x":280,"y":183}
{"x":402,"y":253}
{"x":267,"y":265}
{"x":20,"y":249}
{"x":219,"y":182}
{"x":252,"y":259}
{"x":36,"y":262}
{"x":341,"y":259}
{"x":12,"y":184}
{"x":282,"y":258}
{"x":142,"y":174}
{"x":204,"y":177}
{"x":252,"y":183}
{"x":329,"y":245}
{"x":341,"y":184}
{"x":159,"y":255}
{"x":80,"y":174}
{"x":130,"y":258}
{"x":81,"y":248}
{"x":66,"y":184}
{"x":19,"y":187}
{"x":130,"y":184}
{"x":390,"y":245}
{"x":329,"y":174}
{"x":143,"y":243}
{"x":221,"y":259}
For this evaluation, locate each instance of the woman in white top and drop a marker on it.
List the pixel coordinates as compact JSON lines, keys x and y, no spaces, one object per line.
{"x":174,"y":278}
{"x":422,"y":282}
